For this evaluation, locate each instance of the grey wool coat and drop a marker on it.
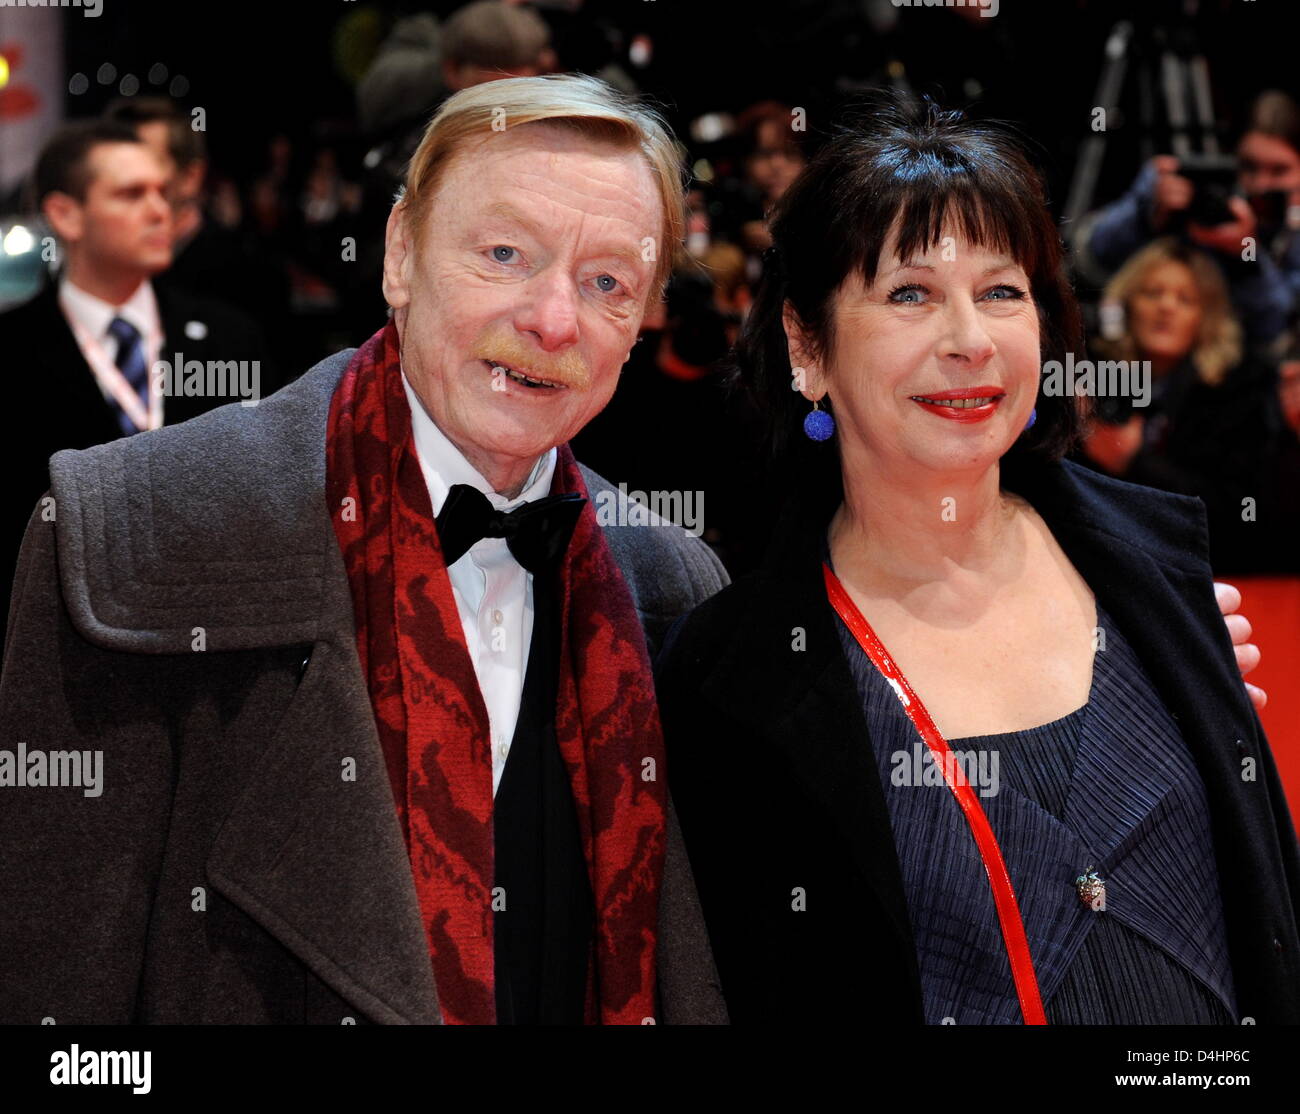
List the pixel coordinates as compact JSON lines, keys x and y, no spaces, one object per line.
{"x":187,"y":614}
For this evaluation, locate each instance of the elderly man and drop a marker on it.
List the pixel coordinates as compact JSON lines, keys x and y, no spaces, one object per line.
{"x":340,"y":707}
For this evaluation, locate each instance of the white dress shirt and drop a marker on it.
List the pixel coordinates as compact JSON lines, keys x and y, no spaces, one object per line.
{"x":89,"y":318}
{"x":494,"y":593}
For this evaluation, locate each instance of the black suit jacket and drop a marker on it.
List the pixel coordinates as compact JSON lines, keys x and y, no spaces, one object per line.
{"x":53,"y":400}
{"x":772,"y":771}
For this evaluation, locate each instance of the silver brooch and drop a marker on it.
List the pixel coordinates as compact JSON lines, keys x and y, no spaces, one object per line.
{"x":1092,"y":889}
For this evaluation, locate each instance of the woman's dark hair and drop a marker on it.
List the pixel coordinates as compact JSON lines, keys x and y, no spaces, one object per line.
{"x":915,"y":163}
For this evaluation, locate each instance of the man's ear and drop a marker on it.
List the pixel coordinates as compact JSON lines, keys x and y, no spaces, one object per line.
{"x":398,"y":258}
{"x":65,"y":215}
{"x":807,"y":376}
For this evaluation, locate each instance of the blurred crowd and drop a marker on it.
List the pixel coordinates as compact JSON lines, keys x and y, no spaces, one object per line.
{"x":1195,"y":271}
{"x":1200,"y":276}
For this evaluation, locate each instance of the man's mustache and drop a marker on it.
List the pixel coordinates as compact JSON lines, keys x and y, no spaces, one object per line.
{"x":567,"y":368}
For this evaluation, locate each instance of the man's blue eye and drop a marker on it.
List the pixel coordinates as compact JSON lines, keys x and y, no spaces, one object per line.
{"x":496,"y":253}
{"x":613,"y":283}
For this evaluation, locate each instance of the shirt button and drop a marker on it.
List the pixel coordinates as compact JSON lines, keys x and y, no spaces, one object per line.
{"x":497,"y":617}
{"x":502,"y":750}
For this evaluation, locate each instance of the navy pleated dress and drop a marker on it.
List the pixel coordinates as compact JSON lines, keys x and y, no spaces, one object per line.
{"x":1112,"y":786}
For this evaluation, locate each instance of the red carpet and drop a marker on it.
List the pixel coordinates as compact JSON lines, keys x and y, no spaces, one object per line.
{"x":1272,"y":604}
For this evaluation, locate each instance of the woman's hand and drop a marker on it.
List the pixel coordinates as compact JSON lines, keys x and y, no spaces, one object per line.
{"x":1115,"y":446}
{"x":1248,"y":654}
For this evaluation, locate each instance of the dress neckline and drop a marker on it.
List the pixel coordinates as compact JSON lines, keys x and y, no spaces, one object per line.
{"x":1053,"y":726}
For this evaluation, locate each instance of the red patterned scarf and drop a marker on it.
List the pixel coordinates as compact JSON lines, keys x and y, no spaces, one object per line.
{"x":433,"y":724}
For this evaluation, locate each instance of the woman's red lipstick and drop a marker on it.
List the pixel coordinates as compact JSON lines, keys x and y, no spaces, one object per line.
{"x":939,"y":403}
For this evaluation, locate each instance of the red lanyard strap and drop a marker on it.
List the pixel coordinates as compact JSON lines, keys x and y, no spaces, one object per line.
{"x":1004,"y":896}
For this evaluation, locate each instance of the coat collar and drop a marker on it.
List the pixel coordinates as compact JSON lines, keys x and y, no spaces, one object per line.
{"x":318,"y":858}
{"x":220,"y":525}
{"x":213,"y":534}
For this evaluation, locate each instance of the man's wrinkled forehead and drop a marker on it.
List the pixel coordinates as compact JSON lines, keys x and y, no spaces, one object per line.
{"x":539,"y":182}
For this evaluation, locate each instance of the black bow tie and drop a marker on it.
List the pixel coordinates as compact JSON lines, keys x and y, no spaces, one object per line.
{"x":537,"y":533}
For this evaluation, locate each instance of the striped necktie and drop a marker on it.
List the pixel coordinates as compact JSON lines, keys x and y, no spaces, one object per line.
{"x":131,"y":363}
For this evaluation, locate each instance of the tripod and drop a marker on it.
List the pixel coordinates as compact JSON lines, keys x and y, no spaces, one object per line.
{"x":1173,"y":97}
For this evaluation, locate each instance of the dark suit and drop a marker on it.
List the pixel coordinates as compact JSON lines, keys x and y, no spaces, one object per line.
{"x":219,"y":265}
{"x":776,"y":784}
{"x":188,"y":614}
{"x":53,"y":400}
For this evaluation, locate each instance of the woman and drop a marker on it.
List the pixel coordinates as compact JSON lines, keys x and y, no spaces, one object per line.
{"x":1214,"y":427}
{"x":1107,"y":859}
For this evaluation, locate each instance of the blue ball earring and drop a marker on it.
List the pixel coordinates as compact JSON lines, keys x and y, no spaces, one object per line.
{"x":818,"y":425}
{"x":1033,"y":417}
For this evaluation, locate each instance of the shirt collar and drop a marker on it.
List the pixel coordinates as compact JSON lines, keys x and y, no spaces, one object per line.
{"x":443,"y":464}
{"x":95,"y":315}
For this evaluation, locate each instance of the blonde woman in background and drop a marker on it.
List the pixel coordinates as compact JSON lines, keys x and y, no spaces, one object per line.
{"x":1213,"y":424}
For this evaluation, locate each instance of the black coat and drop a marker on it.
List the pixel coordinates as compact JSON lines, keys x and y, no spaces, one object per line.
{"x":54,"y":402}
{"x":776,"y":785}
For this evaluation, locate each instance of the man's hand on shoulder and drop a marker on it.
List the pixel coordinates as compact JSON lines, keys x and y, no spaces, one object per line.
{"x":1239,"y":628}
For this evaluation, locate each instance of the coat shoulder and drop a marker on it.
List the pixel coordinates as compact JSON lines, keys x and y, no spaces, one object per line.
{"x":704,"y":635}
{"x":667,"y":568}
{"x":1170,"y":527}
{"x":215,"y":522}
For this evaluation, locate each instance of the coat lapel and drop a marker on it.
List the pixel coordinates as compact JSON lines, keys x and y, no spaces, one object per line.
{"x":185,"y":333}
{"x":313,"y":850}
{"x":67,"y":380}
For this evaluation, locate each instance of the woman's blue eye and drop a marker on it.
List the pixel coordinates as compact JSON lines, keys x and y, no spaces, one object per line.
{"x":910,"y":288}
{"x":496,"y":253}
{"x":1014,"y":293}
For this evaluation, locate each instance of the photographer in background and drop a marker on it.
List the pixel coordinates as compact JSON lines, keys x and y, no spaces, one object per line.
{"x":1265,"y":290}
